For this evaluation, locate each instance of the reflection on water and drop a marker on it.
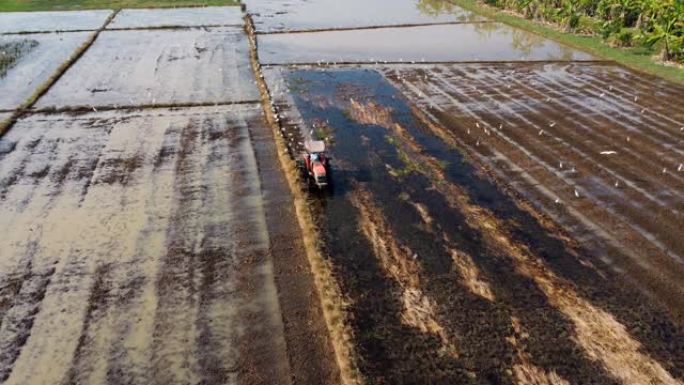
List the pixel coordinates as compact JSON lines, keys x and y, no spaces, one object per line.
{"x":454,"y":42}
{"x":294,"y":15}
{"x":437,"y":7}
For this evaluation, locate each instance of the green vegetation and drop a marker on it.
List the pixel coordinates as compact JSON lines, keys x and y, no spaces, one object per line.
{"x":12,"y":51}
{"x":70,"y":5}
{"x":640,"y":43}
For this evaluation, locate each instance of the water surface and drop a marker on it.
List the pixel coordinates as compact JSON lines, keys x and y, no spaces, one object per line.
{"x":453,"y":42}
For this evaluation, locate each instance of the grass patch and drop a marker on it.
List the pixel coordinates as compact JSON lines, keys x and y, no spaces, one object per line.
{"x":640,"y":59}
{"x":12,"y":51}
{"x":71,"y":5}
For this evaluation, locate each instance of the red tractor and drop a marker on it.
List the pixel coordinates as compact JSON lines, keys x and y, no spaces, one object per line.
{"x":314,"y":163}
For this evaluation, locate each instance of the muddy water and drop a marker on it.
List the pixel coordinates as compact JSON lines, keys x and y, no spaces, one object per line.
{"x":37,"y":65}
{"x":179,"y":17}
{"x":52,"y":21}
{"x":460,"y":42}
{"x":135,"y":250}
{"x":299,"y":15}
{"x":129,"y":68}
{"x":547,"y":129}
{"x":450,"y":281}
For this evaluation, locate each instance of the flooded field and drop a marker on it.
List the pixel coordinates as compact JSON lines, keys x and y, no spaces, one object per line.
{"x":436,"y":43}
{"x":158,"y":67}
{"x":148,"y":232}
{"x":471,"y":284}
{"x":11,"y":22}
{"x":44,"y":54}
{"x":597,"y":147}
{"x":299,"y":15}
{"x":513,"y":218}
{"x":177,"y":17}
{"x":135,"y":250}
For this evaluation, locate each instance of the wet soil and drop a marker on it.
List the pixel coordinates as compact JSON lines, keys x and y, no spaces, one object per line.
{"x":36,"y":66}
{"x":311,"y":354}
{"x":149,"y":67}
{"x":178,"y":17}
{"x":453,"y":278}
{"x":139,"y":248}
{"x":11,"y":22}
{"x":301,"y":15}
{"x":484,"y":41}
{"x":589,"y":145}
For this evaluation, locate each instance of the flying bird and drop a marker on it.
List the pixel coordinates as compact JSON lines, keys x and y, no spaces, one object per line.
{"x":576,"y":193}
{"x":608,"y":152}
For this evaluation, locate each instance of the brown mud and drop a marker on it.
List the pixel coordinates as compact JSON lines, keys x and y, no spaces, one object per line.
{"x":451,"y":278}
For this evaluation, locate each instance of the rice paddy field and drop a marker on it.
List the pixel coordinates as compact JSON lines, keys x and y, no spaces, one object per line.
{"x":503,"y":209}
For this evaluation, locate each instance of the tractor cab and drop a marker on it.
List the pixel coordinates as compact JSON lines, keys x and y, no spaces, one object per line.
{"x":314,"y":163}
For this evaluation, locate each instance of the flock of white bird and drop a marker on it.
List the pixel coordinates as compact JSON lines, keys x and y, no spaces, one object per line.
{"x":278,"y":93}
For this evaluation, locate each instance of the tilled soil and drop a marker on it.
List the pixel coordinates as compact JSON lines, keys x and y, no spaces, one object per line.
{"x":453,"y":278}
{"x":158,"y":67}
{"x":36,"y":66}
{"x":137,"y":249}
{"x":594,"y":146}
{"x":12,"y":22}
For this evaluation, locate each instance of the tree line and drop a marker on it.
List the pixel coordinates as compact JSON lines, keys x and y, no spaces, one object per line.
{"x":656,"y":24}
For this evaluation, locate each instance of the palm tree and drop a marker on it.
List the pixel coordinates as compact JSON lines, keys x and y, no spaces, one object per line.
{"x":668,"y":28}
